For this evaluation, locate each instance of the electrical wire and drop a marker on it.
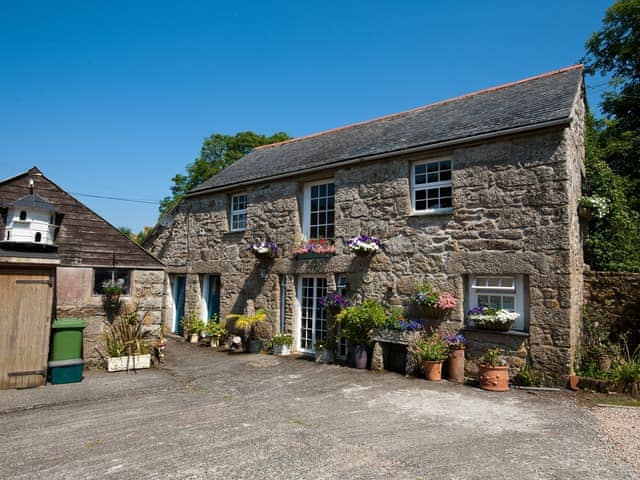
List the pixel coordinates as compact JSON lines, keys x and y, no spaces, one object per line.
{"x":152,"y":202}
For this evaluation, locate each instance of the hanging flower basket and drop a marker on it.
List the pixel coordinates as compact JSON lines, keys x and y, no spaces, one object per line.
{"x":364,"y":245}
{"x":263,"y":250}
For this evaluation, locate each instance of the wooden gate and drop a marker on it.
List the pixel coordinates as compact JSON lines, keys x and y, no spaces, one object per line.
{"x":25,"y":323}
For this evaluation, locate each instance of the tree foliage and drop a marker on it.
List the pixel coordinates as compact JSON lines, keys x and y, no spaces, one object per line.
{"x":612,"y":243}
{"x":218,"y":151}
{"x":613,"y":143}
{"x":615,"y":51}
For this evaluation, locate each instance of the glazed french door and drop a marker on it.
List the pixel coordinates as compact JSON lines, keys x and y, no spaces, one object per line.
{"x":178,"y":283}
{"x":312,"y":317}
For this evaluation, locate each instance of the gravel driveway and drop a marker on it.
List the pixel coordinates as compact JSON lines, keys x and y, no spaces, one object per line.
{"x":210,"y":414}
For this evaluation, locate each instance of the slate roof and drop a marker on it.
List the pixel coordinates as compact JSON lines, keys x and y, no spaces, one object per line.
{"x":533,"y":102}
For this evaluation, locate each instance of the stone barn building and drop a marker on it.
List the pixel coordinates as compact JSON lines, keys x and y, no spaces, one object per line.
{"x":477,"y":194}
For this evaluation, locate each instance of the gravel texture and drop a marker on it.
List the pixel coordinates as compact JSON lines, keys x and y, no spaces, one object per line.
{"x":622,"y":427}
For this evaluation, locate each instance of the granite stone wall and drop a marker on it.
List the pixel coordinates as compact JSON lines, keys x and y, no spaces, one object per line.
{"x":75,"y":298}
{"x":515,"y":202}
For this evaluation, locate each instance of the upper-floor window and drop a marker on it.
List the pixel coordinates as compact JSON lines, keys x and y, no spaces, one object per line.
{"x":238,"y":213}
{"x":431,"y":186}
{"x":506,"y":292}
{"x":319,"y":210}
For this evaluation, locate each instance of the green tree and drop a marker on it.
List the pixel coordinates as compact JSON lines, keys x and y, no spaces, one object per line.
{"x":614,"y":51}
{"x":218,"y":152}
{"x":612,"y":144}
{"x":612,"y":243}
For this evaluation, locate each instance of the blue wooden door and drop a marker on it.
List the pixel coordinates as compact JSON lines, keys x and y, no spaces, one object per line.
{"x":178,"y":283}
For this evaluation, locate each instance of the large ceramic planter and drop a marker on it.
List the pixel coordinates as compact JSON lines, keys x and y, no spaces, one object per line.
{"x":456,"y":365}
{"x":323,"y":356}
{"x":134,"y":362}
{"x":494,"y":379}
{"x":360,"y":357}
{"x":281,"y":349}
{"x":432,"y":370}
{"x":194,"y":338}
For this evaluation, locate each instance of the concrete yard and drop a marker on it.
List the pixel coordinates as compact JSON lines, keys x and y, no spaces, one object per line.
{"x":207,"y":414}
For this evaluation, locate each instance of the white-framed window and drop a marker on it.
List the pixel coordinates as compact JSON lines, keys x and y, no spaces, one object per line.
{"x":319,"y":210}
{"x":238,"y":212}
{"x":499,"y":291}
{"x":432,"y":186}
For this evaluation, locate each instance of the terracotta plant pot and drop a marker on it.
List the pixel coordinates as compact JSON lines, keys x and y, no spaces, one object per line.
{"x":494,"y":379}
{"x":456,"y":365}
{"x":432,"y":370}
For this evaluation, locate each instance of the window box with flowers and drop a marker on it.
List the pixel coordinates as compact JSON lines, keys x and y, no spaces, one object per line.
{"x":492,"y":318}
{"x":364,"y":245}
{"x":321,"y":248}
{"x":263,"y":250}
{"x":431,"y":303}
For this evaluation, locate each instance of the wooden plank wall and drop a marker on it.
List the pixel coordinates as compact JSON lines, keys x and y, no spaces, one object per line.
{"x":26,"y":306}
{"x":84,"y":238}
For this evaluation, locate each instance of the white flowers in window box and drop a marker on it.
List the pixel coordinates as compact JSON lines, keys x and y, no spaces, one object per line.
{"x":492,"y":318}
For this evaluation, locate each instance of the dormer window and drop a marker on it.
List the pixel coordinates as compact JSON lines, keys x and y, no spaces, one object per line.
{"x":38,"y":237}
{"x":23,"y":215}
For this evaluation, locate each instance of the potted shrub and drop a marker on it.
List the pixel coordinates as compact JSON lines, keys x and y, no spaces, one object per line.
{"x":247,"y":325}
{"x":493,"y":373}
{"x":325,"y":350}
{"x":357,"y":323}
{"x":192,"y":327}
{"x":430,"y":302}
{"x":432,"y":350}
{"x":214,"y":331}
{"x":281,"y":344}
{"x":364,"y":245}
{"x":456,"y":345}
{"x":492,"y":318}
{"x":333,"y":302}
{"x":126,"y":343}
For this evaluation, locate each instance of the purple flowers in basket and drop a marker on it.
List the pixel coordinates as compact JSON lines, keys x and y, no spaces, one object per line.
{"x":263,"y":249}
{"x":364,"y":244}
{"x":333,"y":300}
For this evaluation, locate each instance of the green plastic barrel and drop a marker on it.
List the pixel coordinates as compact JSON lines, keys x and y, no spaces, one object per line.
{"x":67,"y":339}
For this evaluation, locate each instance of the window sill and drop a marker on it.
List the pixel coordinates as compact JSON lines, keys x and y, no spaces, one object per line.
{"x":422,"y":213}
{"x":513,"y":333}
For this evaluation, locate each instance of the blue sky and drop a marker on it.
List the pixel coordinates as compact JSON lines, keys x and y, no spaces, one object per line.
{"x":114,"y":98}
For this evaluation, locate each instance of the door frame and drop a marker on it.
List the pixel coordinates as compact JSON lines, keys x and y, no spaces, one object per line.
{"x":299,"y":313}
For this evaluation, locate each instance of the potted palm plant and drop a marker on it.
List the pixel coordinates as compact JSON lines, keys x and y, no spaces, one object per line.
{"x":247,"y":325}
{"x":432,"y":350}
{"x":126,"y":343}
